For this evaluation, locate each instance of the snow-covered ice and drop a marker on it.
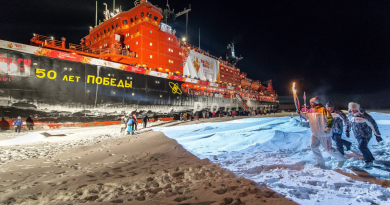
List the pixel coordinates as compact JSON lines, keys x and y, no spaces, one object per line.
{"x":275,"y":152}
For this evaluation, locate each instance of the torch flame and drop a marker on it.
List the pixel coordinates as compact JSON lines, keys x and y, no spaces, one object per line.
{"x":293,"y":89}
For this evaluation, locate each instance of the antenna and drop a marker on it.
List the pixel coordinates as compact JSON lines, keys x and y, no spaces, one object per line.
{"x":199,"y":38}
{"x":96,"y":14}
{"x":113,"y":8}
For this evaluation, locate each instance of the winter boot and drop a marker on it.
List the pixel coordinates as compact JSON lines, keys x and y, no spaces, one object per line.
{"x":368,"y":165}
{"x":340,"y":164}
{"x":349,"y":146}
{"x":322,"y":166}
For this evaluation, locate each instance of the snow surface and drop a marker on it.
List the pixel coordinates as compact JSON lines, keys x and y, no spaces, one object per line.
{"x":275,"y":151}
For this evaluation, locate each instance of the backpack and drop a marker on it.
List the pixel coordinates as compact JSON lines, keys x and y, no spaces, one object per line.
{"x":130,"y":121}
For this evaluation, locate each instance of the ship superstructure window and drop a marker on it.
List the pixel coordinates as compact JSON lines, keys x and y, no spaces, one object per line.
{"x":101,"y":33}
{"x":135,"y":17}
{"x":97,"y":35}
{"x":94,"y":37}
{"x":149,"y":15}
{"x":155,"y":18}
{"x":142,"y":14}
{"x":151,"y":31}
{"x":131,"y":20}
{"x":104,"y":30}
{"x":151,"y":44}
{"x":136,"y":43}
{"x":108,"y":29}
{"x":116,"y":24}
{"x":151,"y":56}
{"x":125,"y":21}
{"x":170,"y":61}
{"x":112,"y":26}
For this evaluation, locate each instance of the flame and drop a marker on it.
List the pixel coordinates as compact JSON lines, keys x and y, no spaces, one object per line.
{"x":293,"y":89}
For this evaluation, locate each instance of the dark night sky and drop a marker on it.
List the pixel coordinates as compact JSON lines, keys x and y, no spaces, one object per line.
{"x":330,"y":48}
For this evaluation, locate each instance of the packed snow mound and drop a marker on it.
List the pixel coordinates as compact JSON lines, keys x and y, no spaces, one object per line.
{"x":276,"y":151}
{"x":285,"y":140}
{"x":29,"y":138}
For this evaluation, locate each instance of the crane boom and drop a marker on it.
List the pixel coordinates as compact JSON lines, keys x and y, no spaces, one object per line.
{"x":183,"y":12}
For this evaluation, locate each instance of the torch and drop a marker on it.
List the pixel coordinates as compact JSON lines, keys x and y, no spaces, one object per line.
{"x":296,"y":100}
{"x":304,"y":98}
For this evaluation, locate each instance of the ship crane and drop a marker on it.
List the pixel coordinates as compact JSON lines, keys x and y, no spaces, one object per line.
{"x":169,"y":14}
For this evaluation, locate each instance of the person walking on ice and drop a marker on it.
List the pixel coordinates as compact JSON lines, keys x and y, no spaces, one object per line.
{"x":363,"y":125}
{"x":338,"y":128}
{"x":123,"y":123}
{"x":130,"y":122}
{"x":321,"y":122}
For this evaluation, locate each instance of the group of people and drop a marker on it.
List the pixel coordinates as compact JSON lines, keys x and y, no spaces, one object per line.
{"x":326,"y":123}
{"x":129,"y":123}
{"x":207,"y":114}
{"x":18,"y":123}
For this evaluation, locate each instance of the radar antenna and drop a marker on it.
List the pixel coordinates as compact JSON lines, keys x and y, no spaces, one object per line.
{"x":136,"y":2}
{"x":231,"y":57}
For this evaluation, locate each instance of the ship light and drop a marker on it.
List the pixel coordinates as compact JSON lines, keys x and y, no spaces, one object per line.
{"x":52,"y":38}
{"x":184,"y":39}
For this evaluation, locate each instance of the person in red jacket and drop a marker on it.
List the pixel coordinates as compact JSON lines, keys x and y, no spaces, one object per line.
{"x":135,"y":123}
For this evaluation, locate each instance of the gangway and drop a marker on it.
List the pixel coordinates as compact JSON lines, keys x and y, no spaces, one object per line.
{"x":241,"y":102}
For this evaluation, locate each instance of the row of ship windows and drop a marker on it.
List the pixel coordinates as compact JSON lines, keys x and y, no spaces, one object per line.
{"x":142,"y":15}
{"x":151,"y":44}
{"x":170,"y":61}
{"x":230,"y":70}
{"x":124,"y":22}
{"x":105,"y":31}
{"x":228,"y":77}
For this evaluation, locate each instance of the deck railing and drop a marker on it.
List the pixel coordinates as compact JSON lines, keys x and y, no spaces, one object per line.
{"x":51,"y":42}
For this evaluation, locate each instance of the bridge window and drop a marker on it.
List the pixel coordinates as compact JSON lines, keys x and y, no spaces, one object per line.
{"x":94,"y":37}
{"x":116,"y":24}
{"x":112,"y":26}
{"x":97,"y":35}
{"x":155,"y":18}
{"x":105,"y":31}
{"x":101,"y":33}
{"x":131,"y":20}
{"x":142,"y":14}
{"x":125,"y":21}
{"x":108,"y":29}
{"x":149,"y":15}
{"x":151,"y":56}
{"x":135,"y":18}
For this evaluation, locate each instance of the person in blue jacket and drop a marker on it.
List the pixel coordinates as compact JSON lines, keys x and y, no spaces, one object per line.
{"x":363,"y":125}
{"x":18,"y":124}
{"x":339,"y":117}
{"x":130,"y":122}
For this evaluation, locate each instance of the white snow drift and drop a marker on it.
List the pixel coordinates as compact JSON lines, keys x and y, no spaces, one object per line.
{"x":276,"y":151}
